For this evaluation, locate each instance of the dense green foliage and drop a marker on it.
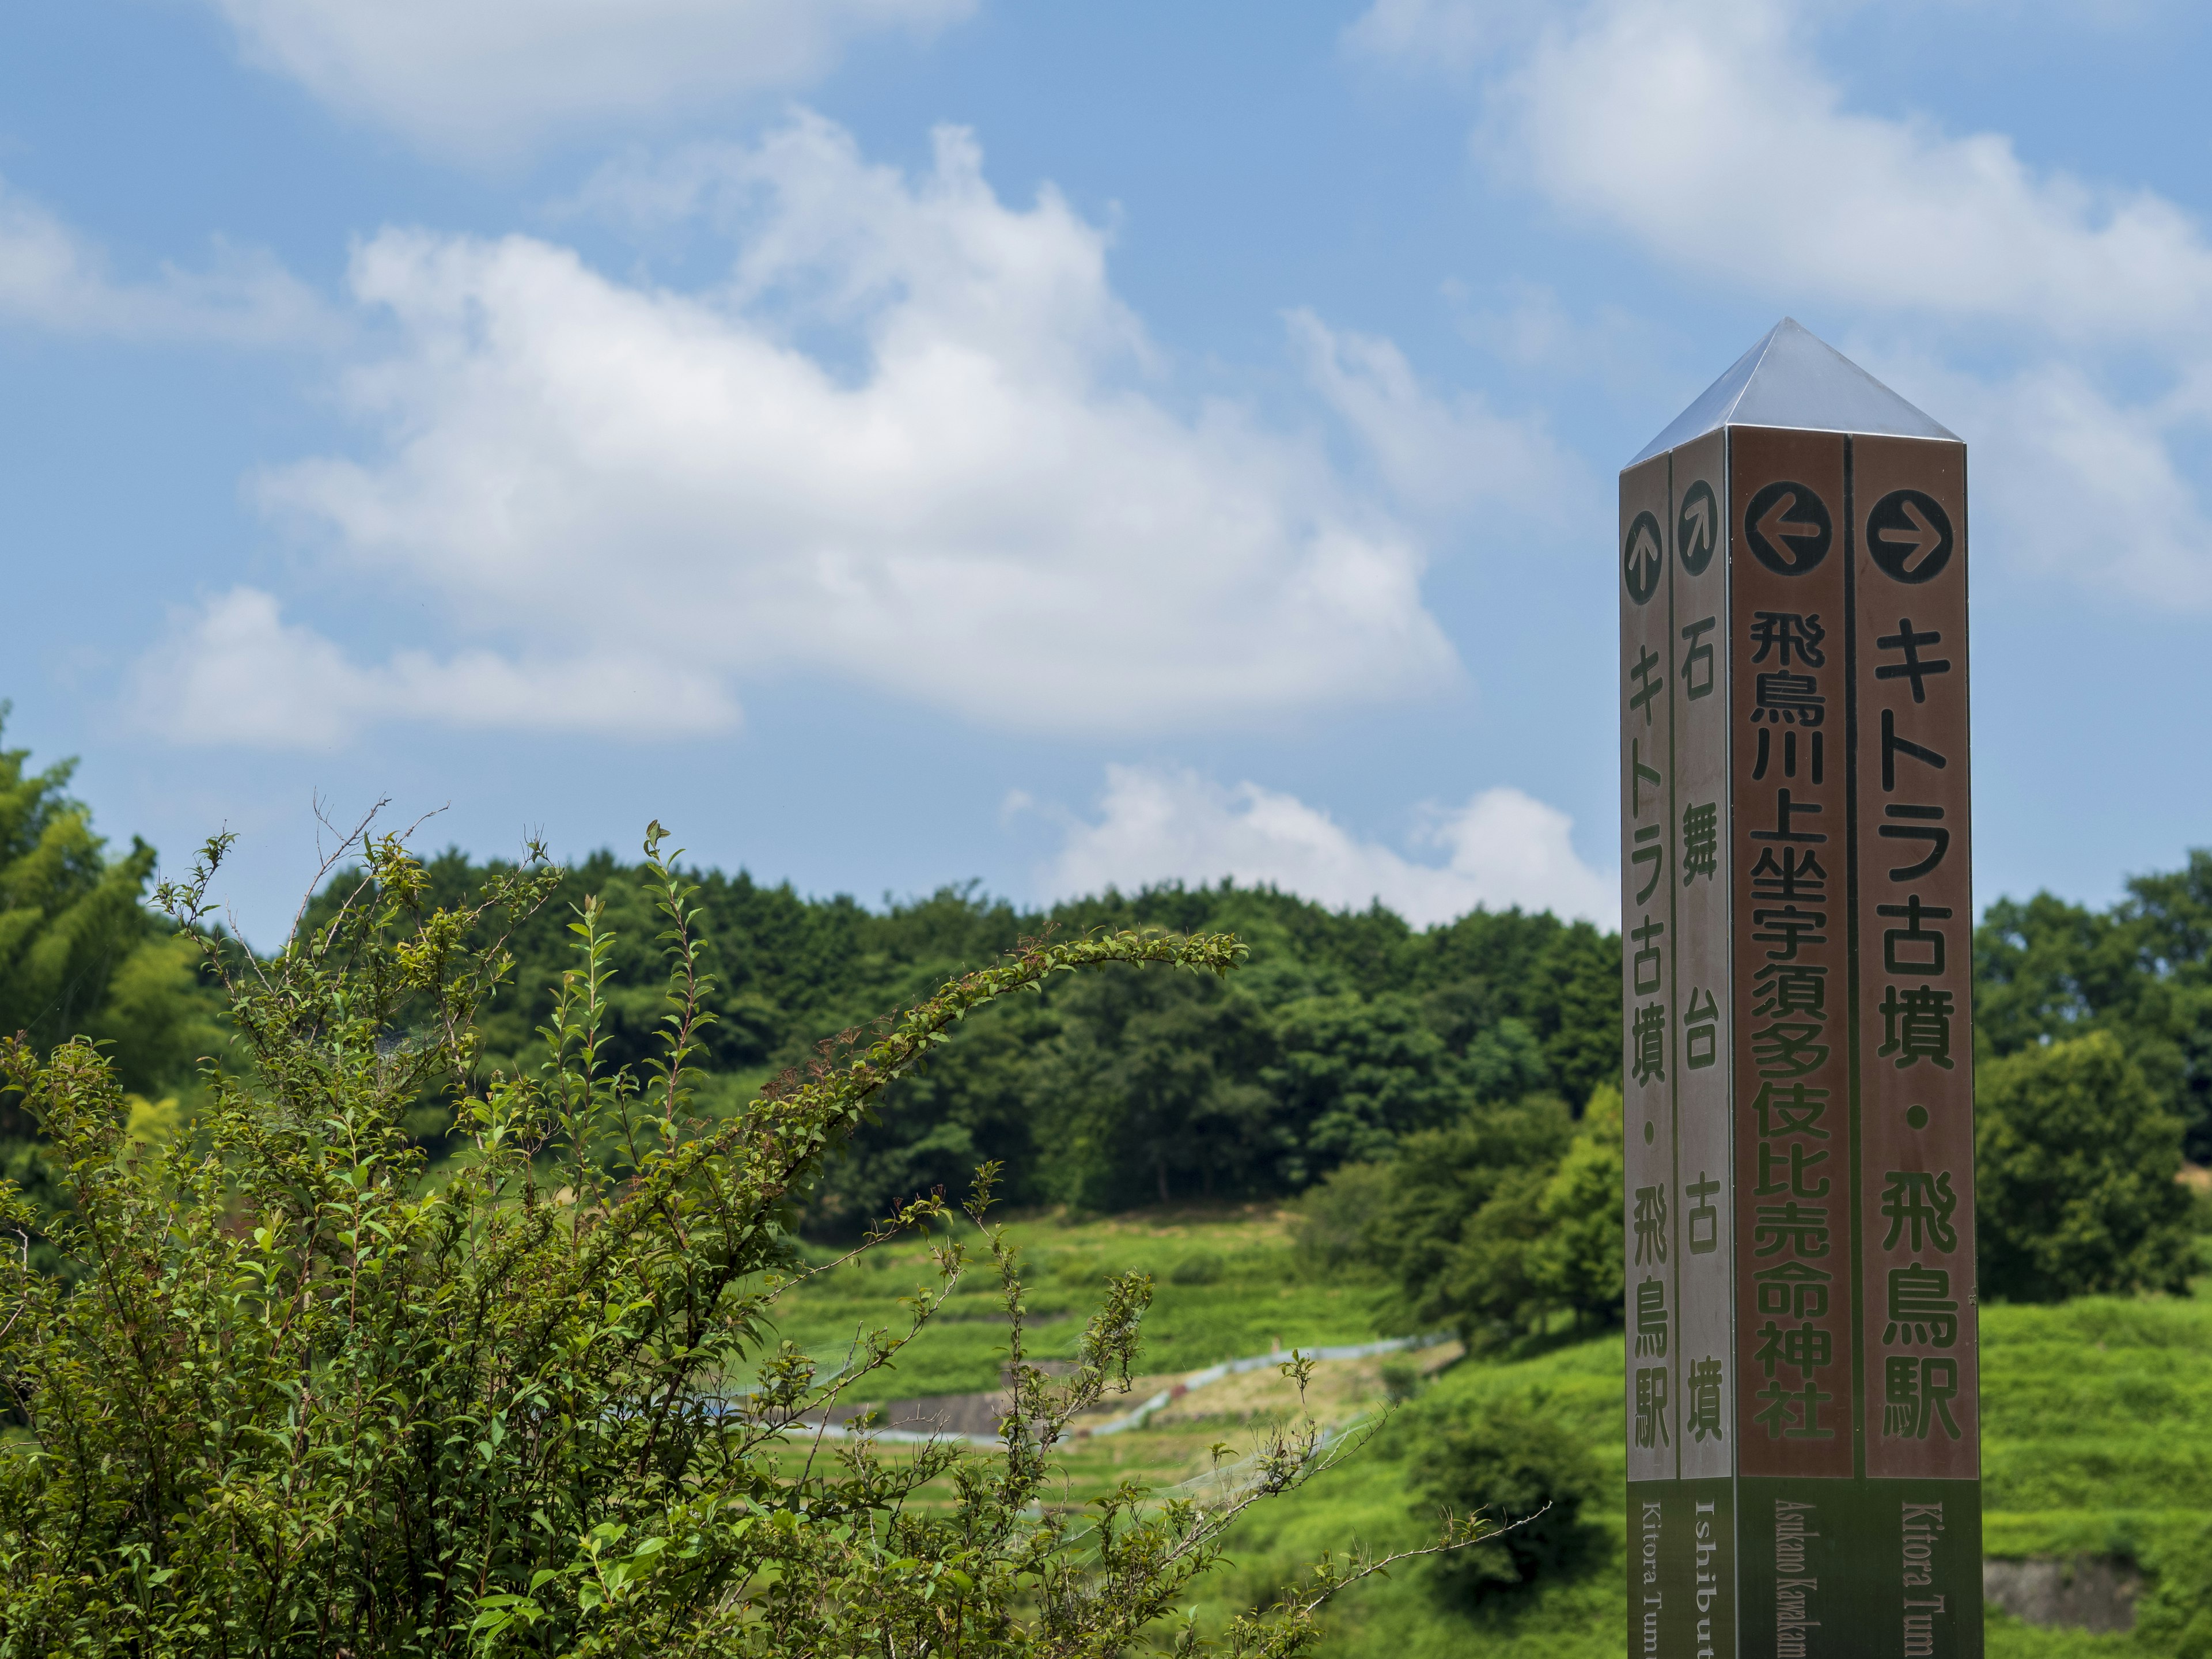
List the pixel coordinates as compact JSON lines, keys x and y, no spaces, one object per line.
{"x":1490,"y":1226}
{"x":2046,"y":970}
{"x":303,"y":1394}
{"x":1351,"y":1039}
{"x":1347,"y":1032}
{"x":2075,"y":1161}
{"x":1514,"y":1458}
{"x":79,"y":955}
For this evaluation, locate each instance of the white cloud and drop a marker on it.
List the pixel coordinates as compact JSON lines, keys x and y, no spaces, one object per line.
{"x":53,"y":277}
{"x":488,"y":78}
{"x":233,"y":669}
{"x":1451,"y":36}
{"x":1707,"y":128}
{"x":986,"y":511}
{"x":1502,"y":849}
{"x":1438,"y":457}
{"x":1707,"y":133}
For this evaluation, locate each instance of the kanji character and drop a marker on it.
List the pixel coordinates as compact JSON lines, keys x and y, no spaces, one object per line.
{"x":1795,"y":1111}
{"x":1784,"y":810}
{"x":1806,"y":1346}
{"x":1794,"y":1413}
{"x":1704,"y":1217}
{"x":1648,"y":1031}
{"x":1920,"y":1307}
{"x":1701,"y":840}
{"x":1913,"y":949}
{"x":1699,"y":656}
{"x":1701,"y":1045}
{"x":1792,"y":1290}
{"x":1803,"y":1228}
{"x":1652,"y":1406}
{"x":1701,"y":1391}
{"x":1650,"y":1219}
{"x":1782,"y":632}
{"x":1916,"y":1023}
{"x":1923,"y":1202}
{"x":1651,"y":1318}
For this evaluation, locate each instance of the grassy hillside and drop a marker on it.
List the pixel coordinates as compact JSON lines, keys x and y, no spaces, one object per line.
{"x":1225,"y":1283}
{"x":2098,"y":1414}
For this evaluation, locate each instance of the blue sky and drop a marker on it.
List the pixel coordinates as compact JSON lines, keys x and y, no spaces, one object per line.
{"x":902,"y":441}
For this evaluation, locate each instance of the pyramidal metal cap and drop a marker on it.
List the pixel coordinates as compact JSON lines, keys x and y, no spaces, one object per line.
{"x":1792,"y":378}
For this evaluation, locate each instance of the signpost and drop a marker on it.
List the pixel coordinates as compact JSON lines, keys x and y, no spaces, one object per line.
{"x":1797,"y":916}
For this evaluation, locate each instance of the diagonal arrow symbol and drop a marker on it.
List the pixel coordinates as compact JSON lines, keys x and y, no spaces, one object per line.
{"x":1919,"y":537}
{"x":1701,"y":515}
{"x":1774,"y":525}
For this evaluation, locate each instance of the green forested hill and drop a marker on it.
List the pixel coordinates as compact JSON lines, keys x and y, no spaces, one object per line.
{"x":1347,"y":1031}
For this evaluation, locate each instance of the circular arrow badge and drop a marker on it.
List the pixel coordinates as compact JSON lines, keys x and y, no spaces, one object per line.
{"x":1697,"y":528}
{"x":1909,"y":534}
{"x":1789,"y":528}
{"x":1641,"y":557}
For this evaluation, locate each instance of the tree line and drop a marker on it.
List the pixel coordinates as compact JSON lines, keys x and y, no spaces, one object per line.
{"x":1350,"y":1037}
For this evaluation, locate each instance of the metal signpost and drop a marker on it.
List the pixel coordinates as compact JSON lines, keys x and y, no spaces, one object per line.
{"x":1797,"y":916}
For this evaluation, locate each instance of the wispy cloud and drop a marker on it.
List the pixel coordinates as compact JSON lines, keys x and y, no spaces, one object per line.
{"x":992,"y":503}
{"x":1709,"y":133}
{"x":486,"y":79}
{"x":54,"y":277}
{"x":1500,"y":849}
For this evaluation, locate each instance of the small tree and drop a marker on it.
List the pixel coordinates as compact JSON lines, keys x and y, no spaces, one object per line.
{"x":308,"y":1393}
{"x":1513,"y":1458}
{"x":2074,"y":1178}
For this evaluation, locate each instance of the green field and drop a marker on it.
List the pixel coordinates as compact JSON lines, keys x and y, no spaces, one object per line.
{"x":2098,"y":1421}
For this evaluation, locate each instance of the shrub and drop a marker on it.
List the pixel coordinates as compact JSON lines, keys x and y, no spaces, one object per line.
{"x":2075,"y":1188}
{"x":1511,"y":1460}
{"x":2176,"y":1617}
{"x":1332,"y":1217}
{"x":304,"y":1394}
{"x":1200,"y":1268}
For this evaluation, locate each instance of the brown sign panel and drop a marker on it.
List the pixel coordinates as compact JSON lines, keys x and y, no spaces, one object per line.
{"x":1704,"y":1231}
{"x":1790,"y":834}
{"x":1915,"y":925}
{"x":1647,"y":901}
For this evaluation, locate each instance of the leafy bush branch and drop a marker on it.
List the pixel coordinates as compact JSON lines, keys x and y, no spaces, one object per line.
{"x":303,"y":1391}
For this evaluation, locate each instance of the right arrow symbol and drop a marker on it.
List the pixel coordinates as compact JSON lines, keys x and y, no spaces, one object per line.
{"x":1918,"y":538}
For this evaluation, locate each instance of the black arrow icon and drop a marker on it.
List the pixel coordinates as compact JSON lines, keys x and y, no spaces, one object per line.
{"x":1909,"y":536}
{"x":1641,"y":556}
{"x":1697,"y":528}
{"x":1788,"y":527}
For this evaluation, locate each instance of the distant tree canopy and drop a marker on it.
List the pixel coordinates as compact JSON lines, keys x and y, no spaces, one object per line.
{"x":79,"y":955}
{"x":2046,"y":970}
{"x":1350,"y":1037}
{"x":1349,"y":1031}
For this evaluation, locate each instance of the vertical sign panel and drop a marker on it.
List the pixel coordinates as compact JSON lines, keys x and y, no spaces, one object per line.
{"x":1920,"y":1415}
{"x":1795,"y":1279}
{"x":1704,"y":1231}
{"x":1656,"y":1532}
{"x":1793,"y":1135}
